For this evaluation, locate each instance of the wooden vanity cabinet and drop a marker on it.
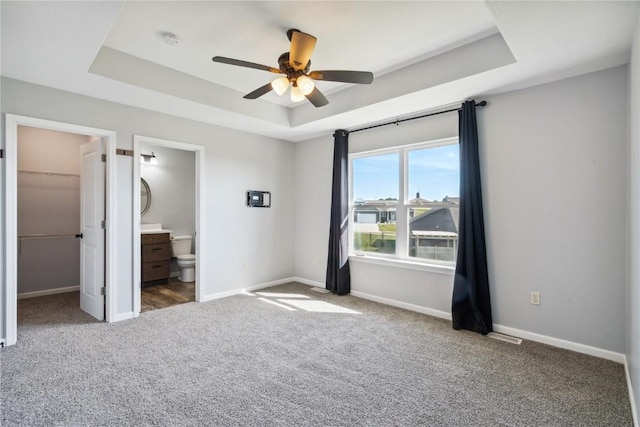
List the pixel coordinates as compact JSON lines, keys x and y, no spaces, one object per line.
{"x":156,"y":258}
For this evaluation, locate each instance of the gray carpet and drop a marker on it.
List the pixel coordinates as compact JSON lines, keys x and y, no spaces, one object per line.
{"x":300,"y":358}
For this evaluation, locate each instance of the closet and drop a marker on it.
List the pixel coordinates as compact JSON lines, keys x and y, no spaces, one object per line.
{"x":48,"y":211}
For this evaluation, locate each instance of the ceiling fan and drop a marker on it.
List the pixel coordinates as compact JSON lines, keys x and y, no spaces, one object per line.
{"x":295,"y":66}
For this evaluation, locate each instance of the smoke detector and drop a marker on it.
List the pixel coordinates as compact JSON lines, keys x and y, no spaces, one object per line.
{"x":170,"y":39}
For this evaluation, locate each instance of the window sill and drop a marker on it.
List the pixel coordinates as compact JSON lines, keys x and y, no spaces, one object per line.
{"x":448,"y":270}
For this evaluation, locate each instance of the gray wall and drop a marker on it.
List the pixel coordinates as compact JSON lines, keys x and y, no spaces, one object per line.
{"x":555,"y":180}
{"x":553,"y":161}
{"x":260,"y":239}
{"x":48,"y":204}
{"x":633,"y":291}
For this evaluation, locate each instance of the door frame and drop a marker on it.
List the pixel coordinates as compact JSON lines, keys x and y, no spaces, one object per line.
{"x":12,"y":121}
{"x":201,"y":247}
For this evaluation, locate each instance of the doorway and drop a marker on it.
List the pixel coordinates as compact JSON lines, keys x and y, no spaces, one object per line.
{"x":92,"y":278}
{"x":172,"y":192}
{"x":49,"y":178}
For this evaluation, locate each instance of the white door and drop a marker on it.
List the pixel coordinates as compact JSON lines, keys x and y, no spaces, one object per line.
{"x":92,"y":214}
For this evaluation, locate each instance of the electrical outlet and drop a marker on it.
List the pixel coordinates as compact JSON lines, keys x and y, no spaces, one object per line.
{"x":535,"y":298}
{"x":245,"y":265}
{"x":315,"y":261}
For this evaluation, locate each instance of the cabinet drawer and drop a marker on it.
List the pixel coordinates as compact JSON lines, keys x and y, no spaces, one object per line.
{"x":157,"y":252}
{"x":155,"y":270}
{"x":155,"y":238}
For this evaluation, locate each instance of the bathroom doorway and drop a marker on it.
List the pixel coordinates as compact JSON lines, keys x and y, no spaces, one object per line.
{"x":57,"y":201}
{"x":167,"y":229}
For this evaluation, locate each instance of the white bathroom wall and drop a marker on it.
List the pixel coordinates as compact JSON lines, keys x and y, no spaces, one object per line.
{"x":172,"y":182}
{"x":48,"y":204}
{"x":554,"y":177}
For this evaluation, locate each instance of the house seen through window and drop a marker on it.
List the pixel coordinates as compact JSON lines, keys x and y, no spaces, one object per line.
{"x":405,"y":202}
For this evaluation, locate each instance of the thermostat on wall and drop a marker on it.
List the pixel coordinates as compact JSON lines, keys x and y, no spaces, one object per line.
{"x":258,"y":199}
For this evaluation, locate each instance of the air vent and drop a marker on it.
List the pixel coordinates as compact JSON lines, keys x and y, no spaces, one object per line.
{"x":505,"y":338}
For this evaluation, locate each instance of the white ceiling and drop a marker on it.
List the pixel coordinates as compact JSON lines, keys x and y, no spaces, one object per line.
{"x":423,"y":54}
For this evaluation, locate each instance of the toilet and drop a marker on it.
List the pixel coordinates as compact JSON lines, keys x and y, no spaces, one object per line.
{"x":181,"y":250}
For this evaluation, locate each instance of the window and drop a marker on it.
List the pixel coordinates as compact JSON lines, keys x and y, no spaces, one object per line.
{"x":375,"y":184}
{"x":405,"y":202}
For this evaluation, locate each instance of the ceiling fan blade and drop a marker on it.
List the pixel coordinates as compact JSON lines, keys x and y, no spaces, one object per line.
{"x":302,"y":45}
{"x":361,"y":77}
{"x":317,"y":98}
{"x":247,"y":64}
{"x":259,"y":92}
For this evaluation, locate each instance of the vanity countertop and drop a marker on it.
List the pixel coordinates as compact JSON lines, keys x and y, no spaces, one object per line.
{"x":153,"y":229}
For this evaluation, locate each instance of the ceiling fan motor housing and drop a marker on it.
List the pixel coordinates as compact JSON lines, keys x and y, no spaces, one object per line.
{"x":286,"y":68}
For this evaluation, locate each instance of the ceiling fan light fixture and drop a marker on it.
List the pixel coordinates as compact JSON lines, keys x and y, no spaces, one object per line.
{"x":305,"y":84}
{"x":280,"y":85}
{"x":296,"y":94}
{"x":295,"y":66}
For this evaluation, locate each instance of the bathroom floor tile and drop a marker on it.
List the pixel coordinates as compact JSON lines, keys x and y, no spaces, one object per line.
{"x":162,"y":296}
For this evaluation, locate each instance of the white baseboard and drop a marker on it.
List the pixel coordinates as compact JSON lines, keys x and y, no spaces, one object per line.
{"x":309,"y":282}
{"x":555,"y":342}
{"x":531,"y":336}
{"x":48,"y":292}
{"x":411,"y":307}
{"x":560,"y":343}
{"x":232,"y":292}
{"x":632,"y":399}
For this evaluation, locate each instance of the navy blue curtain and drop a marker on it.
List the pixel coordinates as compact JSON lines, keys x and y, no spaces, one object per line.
{"x":471,"y":306}
{"x":338,"y":276}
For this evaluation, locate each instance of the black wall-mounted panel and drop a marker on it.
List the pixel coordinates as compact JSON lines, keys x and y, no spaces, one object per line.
{"x":258,"y":199}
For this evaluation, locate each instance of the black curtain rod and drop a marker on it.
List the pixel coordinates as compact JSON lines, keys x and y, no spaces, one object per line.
{"x":398,"y":121}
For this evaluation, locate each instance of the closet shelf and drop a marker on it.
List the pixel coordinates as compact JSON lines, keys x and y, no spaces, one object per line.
{"x":32,"y":172}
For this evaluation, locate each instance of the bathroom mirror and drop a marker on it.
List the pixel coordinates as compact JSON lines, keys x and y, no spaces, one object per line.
{"x":145,"y":197}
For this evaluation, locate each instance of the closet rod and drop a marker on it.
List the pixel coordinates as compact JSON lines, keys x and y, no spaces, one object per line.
{"x":46,"y":236}
{"x":398,"y":121}
{"x":49,"y":173}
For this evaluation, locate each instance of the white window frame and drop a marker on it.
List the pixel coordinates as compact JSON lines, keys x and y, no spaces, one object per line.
{"x":401,"y":259}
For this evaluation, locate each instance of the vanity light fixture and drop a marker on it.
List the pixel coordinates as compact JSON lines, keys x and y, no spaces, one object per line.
{"x":148,"y":159}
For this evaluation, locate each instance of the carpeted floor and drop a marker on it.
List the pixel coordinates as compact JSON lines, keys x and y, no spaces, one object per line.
{"x":290,"y":356}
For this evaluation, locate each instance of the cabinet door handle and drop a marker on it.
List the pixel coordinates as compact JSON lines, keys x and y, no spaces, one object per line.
{"x":156,"y":249}
{"x":157,"y":266}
